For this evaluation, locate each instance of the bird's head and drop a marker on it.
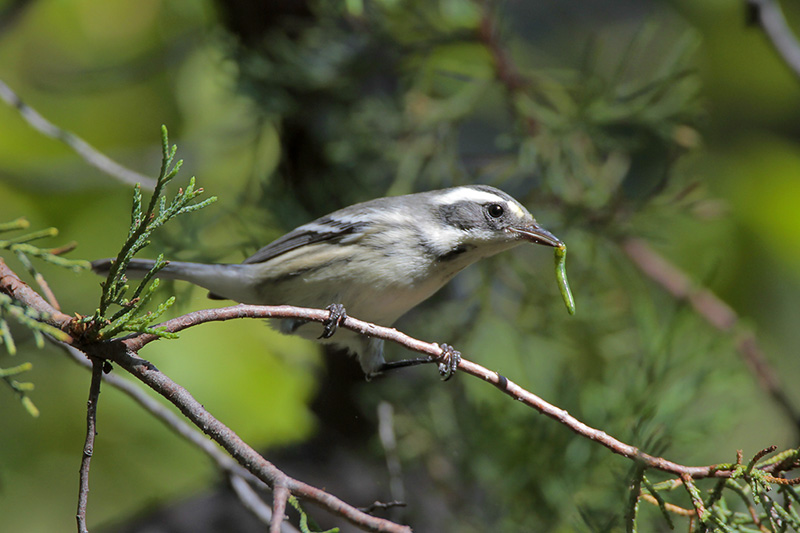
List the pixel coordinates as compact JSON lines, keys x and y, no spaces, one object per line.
{"x":484,"y":218}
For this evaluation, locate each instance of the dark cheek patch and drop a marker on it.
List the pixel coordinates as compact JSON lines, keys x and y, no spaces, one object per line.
{"x":462,"y":215}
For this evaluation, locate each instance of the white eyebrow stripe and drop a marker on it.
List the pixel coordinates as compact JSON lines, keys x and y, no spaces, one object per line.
{"x":463,"y":194}
{"x":515,"y":209}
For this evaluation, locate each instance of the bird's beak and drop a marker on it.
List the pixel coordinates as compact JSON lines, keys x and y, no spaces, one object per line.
{"x":538,"y":235}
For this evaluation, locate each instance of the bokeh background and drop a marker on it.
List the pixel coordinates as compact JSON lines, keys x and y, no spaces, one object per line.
{"x":673,"y":121}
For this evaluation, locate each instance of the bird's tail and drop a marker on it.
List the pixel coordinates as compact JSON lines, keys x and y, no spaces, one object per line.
{"x":231,"y":281}
{"x":137,"y":268}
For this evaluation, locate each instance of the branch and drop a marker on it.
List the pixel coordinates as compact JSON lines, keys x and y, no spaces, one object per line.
{"x":768,"y":14}
{"x":238,"y":477}
{"x":20,"y":291}
{"x":88,"y":447}
{"x":280,"y":494}
{"x":716,"y":312}
{"x":253,"y":503}
{"x":119,"y":352}
{"x":386,"y":434}
{"x":89,"y":153}
{"x":434,"y":351}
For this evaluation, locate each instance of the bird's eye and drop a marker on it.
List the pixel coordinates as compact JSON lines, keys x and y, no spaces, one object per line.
{"x":495,"y":210}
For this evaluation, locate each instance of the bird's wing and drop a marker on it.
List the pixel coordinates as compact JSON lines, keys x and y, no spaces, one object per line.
{"x":328,"y":228}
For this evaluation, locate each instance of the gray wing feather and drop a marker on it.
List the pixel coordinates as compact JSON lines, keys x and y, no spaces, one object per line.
{"x":321,"y":230}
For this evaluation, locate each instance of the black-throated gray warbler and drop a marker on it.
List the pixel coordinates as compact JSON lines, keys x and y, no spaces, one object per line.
{"x":378,"y":259}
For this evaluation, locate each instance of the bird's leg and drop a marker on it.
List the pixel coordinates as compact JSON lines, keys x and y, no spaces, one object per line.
{"x":448,"y":362}
{"x":332,"y":323}
{"x":392,"y":365}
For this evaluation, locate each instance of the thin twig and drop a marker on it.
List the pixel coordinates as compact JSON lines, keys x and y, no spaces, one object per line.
{"x":280,"y":495}
{"x":769,"y":16}
{"x":374,"y":506}
{"x":12,"y":285}
{"x":232,"y":443}
{"x":159,"y":411}
{"x":88,"y":447}
{"x":389,"y":443}
{"x":694,"y":495}
{"x":48,"y":293}
{"x":671,"y":507}
{"x":252,"y":502}
{"x":239,"y":478}
{"x":40,"y":281}
{"x":86,"y":151}
{"x":718,"y":313}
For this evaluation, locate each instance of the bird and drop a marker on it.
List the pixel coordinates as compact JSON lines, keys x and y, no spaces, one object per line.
{"x":373,"y":260}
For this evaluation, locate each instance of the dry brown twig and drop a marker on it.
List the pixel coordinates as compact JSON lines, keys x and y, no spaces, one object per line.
{"x":88,"y":447}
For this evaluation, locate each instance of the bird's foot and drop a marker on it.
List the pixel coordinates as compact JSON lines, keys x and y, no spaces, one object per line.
{"x":448,"y":361}
{"x":332,"y":323}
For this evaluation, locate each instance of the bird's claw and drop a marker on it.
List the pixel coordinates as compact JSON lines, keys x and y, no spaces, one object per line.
{"x":448,"y":361}
{"x":332,"y":323}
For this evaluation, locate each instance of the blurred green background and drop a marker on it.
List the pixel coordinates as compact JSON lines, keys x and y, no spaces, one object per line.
{"x":669,"y":120}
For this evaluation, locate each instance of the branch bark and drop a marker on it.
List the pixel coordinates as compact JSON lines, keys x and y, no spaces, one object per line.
{"x":502,"y":383}
{"x":239,"y":478}
{"x":88,"y":447}
{"x":117,"y":352}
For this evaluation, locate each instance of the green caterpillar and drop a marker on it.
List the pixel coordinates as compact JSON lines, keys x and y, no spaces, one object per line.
{"x":561,"y":276}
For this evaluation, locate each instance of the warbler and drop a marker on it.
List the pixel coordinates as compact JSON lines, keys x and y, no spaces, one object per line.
{"x":375,"y":260}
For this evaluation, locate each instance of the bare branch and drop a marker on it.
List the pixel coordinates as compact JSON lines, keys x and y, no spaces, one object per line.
{"x":669,"y":506}
{"x":143,"y":370}
{"x":11,"y":285}
{"x":88,"y":447}
{"x":253,"y":503}
{"x":238,"y":477}
{"x":718,"y":313}
{"x":768,"y":14}
{"x":89,"y":153}
{"x":434,"y":351}
{"x":280,"y":495}
{"x":389,"y":443}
